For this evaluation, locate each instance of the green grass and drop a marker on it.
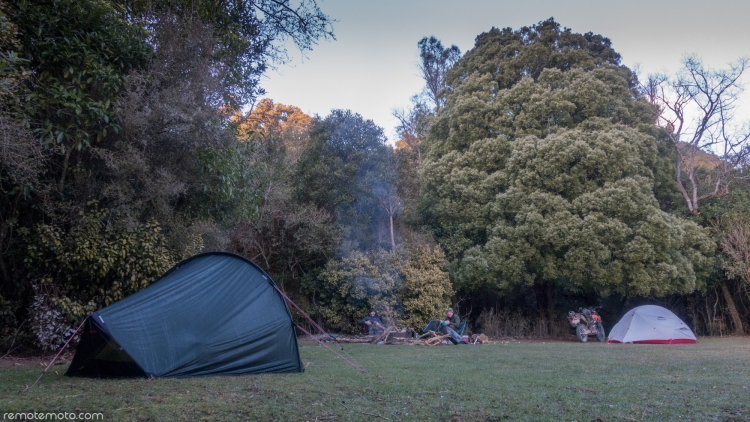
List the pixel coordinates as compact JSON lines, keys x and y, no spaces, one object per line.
{"x":516,"y":381}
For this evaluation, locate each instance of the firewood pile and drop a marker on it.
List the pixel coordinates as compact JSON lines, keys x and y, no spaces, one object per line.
{"x":392,"y":335}
{"x":431,"y":338}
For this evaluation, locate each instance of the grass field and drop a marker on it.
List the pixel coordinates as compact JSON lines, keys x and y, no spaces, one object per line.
{"x":513,"y":381}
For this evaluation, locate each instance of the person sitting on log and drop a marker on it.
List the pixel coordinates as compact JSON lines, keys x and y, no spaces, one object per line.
{"x":374,"y":324}
{"x":451,"y":323}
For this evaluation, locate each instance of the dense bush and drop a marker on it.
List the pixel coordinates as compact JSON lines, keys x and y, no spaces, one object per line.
{"x":412,"y":285}
{"x":426,"y":291}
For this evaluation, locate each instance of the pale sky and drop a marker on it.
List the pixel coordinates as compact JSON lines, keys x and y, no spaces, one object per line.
{"x":371,"y":67}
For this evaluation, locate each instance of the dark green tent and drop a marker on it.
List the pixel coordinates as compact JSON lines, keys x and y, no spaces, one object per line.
{"x":212,"y":314}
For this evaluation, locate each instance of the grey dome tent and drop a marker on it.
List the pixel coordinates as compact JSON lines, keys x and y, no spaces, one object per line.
{"x":212,"y":314}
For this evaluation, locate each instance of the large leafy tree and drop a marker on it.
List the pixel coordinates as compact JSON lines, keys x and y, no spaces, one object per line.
{"x":79,"y":53}
{"x":287,"y":237}
{"x":510,"y":55}
{"x":540,"y":171}
{"x":284,"y":123}
{"x":348,"y":170}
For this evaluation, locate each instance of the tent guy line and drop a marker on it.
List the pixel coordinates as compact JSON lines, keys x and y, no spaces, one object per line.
{"x":52,"y":362}
{"x":352,"y":362}
{"x":355,"y":364}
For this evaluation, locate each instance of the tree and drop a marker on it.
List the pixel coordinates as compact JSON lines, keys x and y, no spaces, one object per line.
{"x":177,"y":158}
{"x":435,"y":61}
{"x":251,"y":34}
{"x":345,"y":169}
{"x":348,"y":287}
{"x":511,"y":55}
{"x":539,"y":174}
{"x":285,"y":123}
{"x":22,"y":161}
{"x":391,"y":204}
{"x":576,"y":212}
{"x":736,"y":244}
{"x":79,"y":53}
{"x":131,"y":105}
{"x":695,"y":109}
{"x":412,"y":128}
{"x":287,"y":237}
{"x":411,"y":282}
{"x":22,"y":158}
{"x":731,"y":223}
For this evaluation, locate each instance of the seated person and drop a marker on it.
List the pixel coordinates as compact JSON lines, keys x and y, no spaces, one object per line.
{"x":374,"y":324}
{"x":450,"y":325}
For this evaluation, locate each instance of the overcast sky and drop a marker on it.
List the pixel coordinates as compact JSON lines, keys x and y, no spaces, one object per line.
{"x":371,"y":67}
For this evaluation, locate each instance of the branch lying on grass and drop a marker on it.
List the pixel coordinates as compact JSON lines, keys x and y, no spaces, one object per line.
{"x":368,"y":414}
{"x":353,"y":340}
{"x":375,"y":415}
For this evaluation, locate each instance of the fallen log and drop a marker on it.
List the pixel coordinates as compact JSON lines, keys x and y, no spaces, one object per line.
{"x":353,"y":340}
{"x":431,"y":338}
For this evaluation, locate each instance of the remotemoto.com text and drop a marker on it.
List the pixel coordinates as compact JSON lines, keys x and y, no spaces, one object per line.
{"x":51,"y":416}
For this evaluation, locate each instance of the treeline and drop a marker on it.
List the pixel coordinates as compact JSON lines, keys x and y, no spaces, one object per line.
{"x":534,"y":174}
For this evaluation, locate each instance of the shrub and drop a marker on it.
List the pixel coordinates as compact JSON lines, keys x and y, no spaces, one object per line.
{"x":348,"y":287}
{"x":427,"y":289}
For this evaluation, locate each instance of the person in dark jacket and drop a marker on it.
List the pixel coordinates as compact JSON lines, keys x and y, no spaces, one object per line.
{"x":451,"y":323}
{"x":374,"y":324}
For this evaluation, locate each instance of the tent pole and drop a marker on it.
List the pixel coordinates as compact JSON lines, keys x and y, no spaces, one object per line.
{"x":61,"y":350}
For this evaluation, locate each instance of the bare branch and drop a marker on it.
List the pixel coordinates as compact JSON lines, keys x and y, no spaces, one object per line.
{"x":695,"y":111}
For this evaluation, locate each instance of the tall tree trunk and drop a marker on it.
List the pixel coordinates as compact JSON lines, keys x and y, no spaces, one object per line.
{"x":551,"y":299}
{"x":546,"y":295}
{"x":393,"y":239}
{"x":3,"y":269}
{"x":541,"y":300}
{"x":736,"y":320}
{"x":64,"y":170}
